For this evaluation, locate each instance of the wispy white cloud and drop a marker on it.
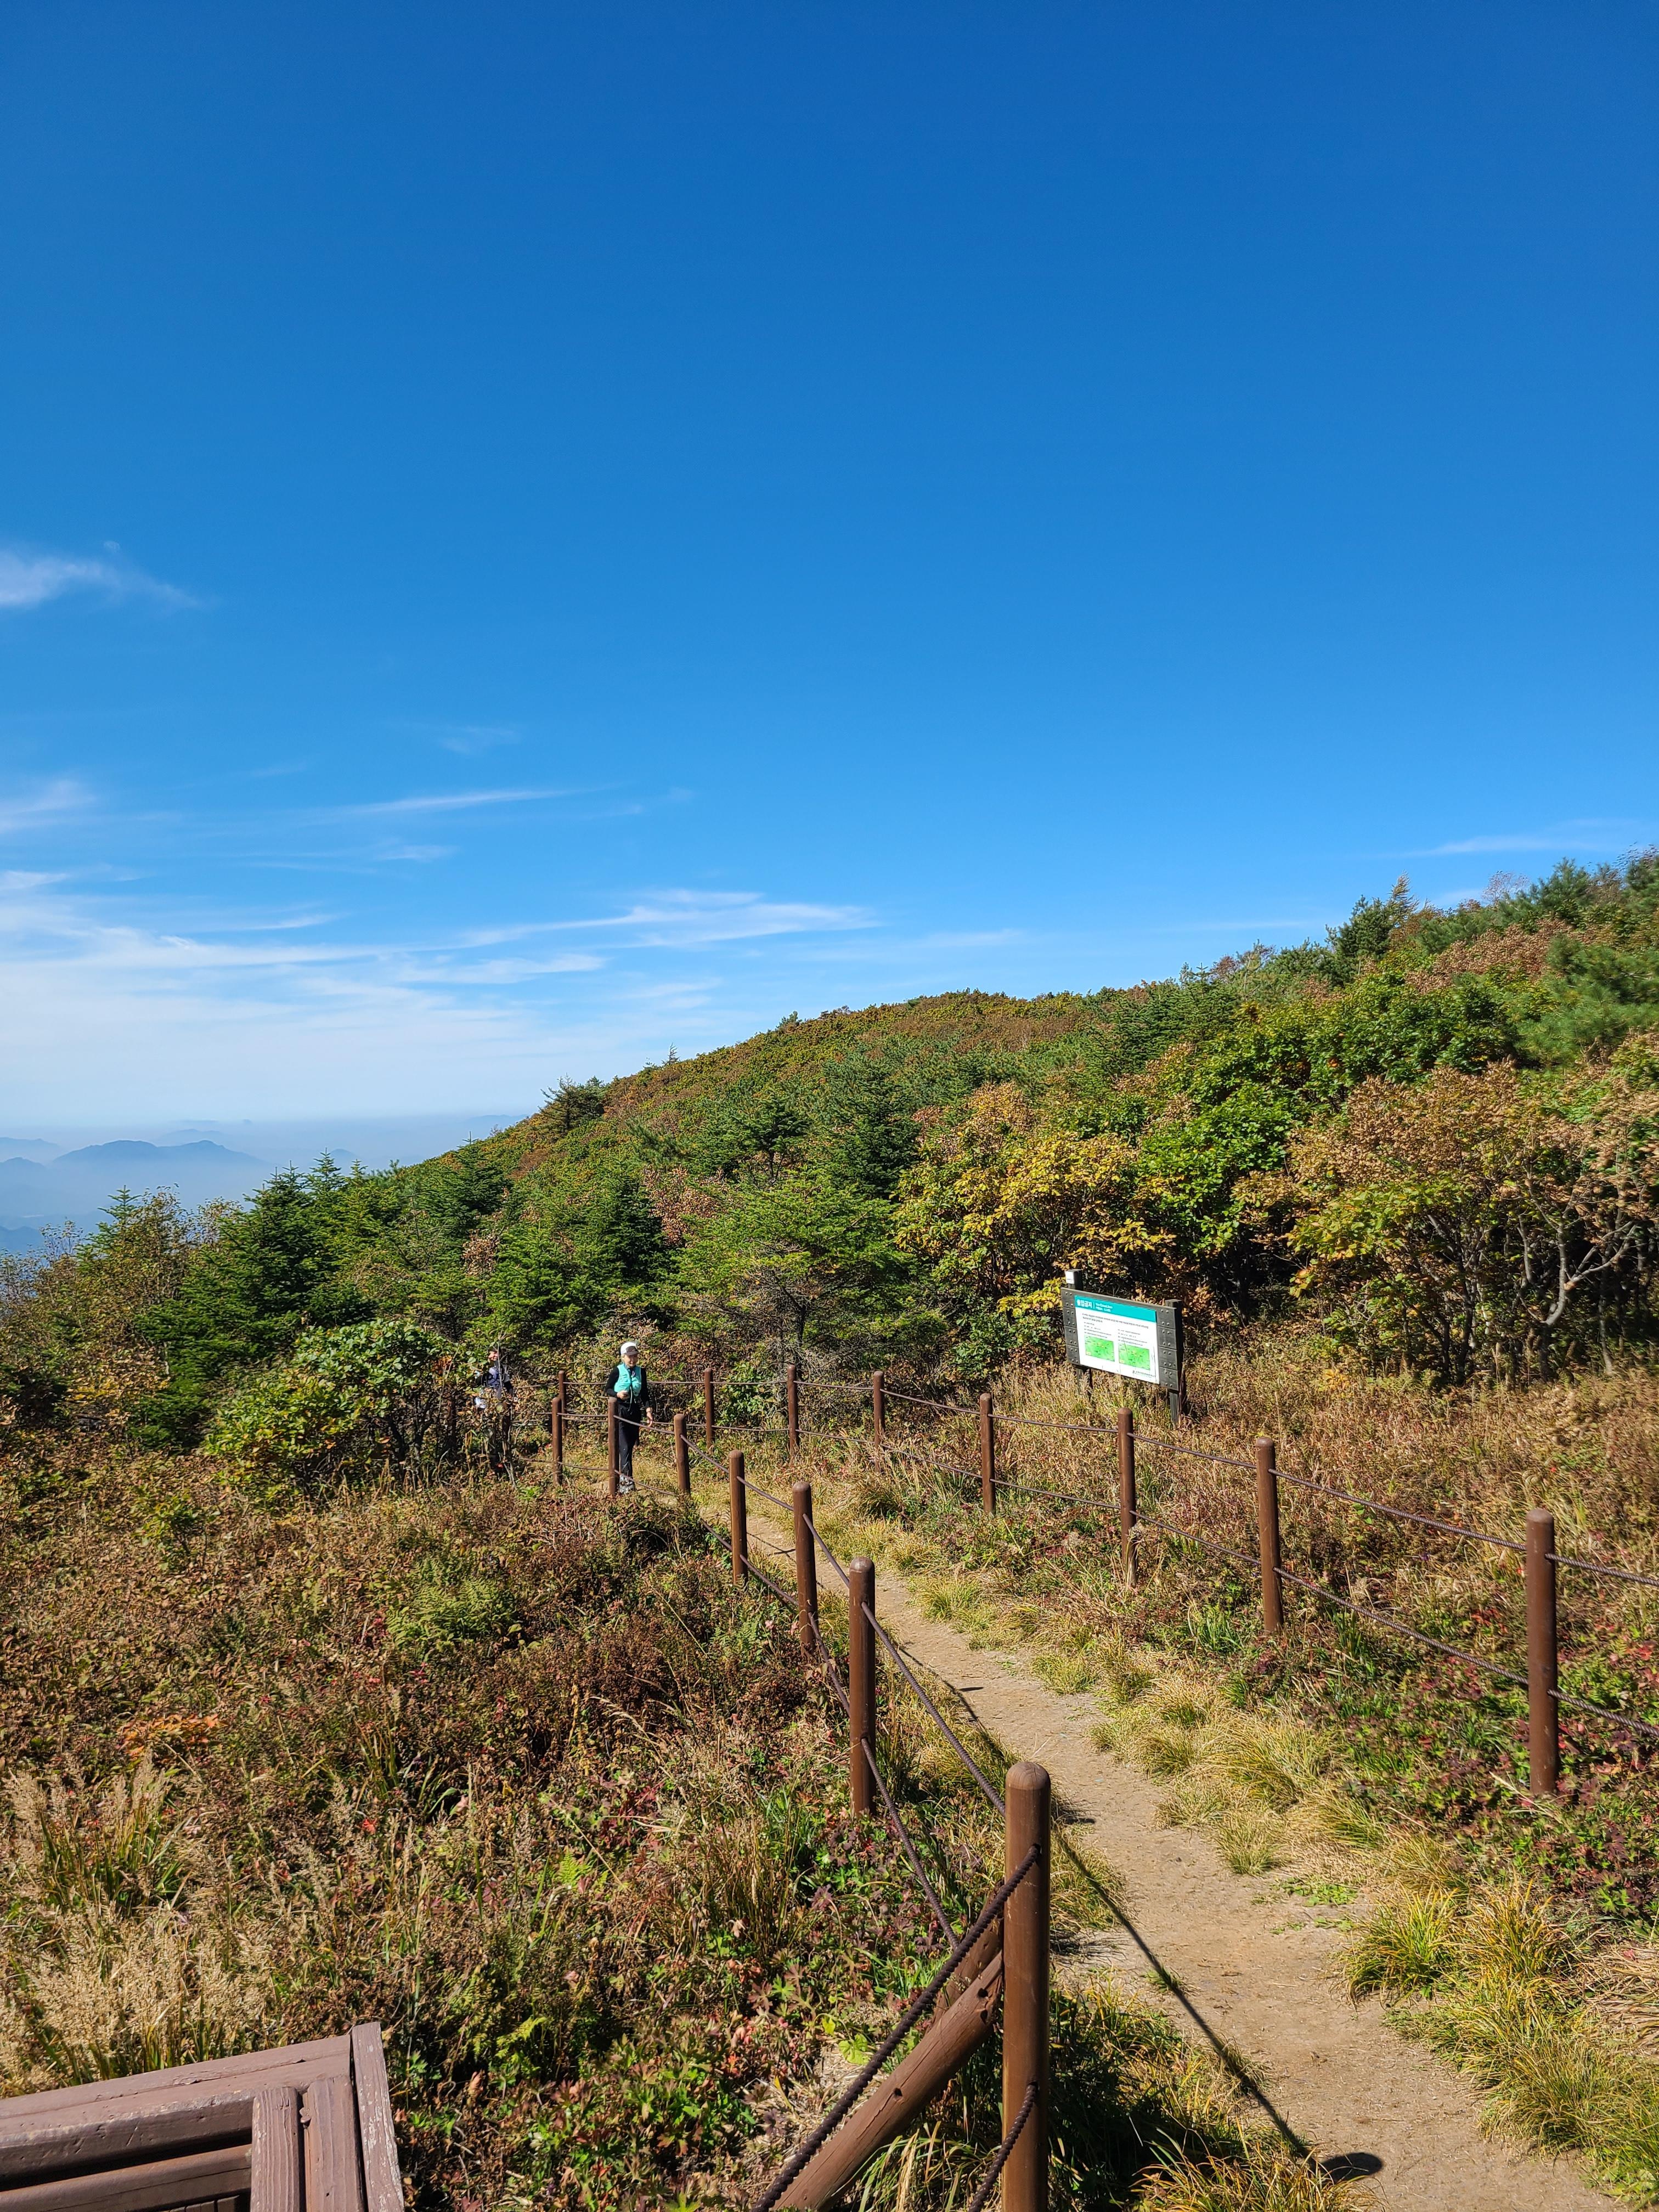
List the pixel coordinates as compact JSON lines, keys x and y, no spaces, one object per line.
{"x":1589,"y":836}
{"x":464,"y":737}
{"x":968,"y":940}
{"x":470,"y":738}
{"x":446,"y":802}
{"x":30,"y":579}
{"x":688,"y":917}
{"x":274,"y":1011}
{"x":46,"y":803}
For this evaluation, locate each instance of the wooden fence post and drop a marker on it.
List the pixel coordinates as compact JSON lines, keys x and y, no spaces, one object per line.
{"x":861,"y":1681}
{"x":564,"y":1392}
{"x":1543,"y":1710}
{"x":792,"y":1405}
{"x":1267,"y":1528}
{"x":739,"y":1520}
{"x":555,"y":1422}
{"x":1025,"y":1990}
{"x":613,"y":1479}
{"x":878,"y":1407}
{"x":1126,"y":1494}
{"x":708,"y":1407}
{"x":806,"y":1565}
{"x":682,"y":1460}
{"x":988,"y":1453}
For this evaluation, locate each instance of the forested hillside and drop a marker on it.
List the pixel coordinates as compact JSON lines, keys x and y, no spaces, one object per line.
{"x":1430,"y":1137}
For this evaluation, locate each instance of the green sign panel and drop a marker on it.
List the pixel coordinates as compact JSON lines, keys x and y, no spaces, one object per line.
{"x":1113,"y":1337}
{"x":1122,"y":1339}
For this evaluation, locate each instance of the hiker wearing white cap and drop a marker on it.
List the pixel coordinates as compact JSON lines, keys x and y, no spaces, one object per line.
{"x":632,"y":1392}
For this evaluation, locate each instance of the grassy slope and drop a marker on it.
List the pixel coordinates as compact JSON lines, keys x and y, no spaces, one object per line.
{"x":982,"y":1031}
{"x":1517,"y":1938}
{"x":526,"y":1780}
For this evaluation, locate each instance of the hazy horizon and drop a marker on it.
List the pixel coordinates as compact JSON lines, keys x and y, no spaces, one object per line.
{"x":376,"y":1141}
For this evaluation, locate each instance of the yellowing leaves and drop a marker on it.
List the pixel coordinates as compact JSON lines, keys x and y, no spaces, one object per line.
{"x":1000,"y":1206}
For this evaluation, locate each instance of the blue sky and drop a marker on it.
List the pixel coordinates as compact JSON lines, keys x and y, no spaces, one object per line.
{"x":532,"y":535}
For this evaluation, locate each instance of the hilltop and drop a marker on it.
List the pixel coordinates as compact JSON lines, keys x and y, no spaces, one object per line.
{"x":1427,"y":1137}
{"x":904,"y":1182}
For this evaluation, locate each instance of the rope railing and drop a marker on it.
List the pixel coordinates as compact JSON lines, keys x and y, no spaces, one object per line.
{"x":993,"y":1794}
{"x":755,"y":1490}
{"x":826,"y":1550}
{"x":934,"y":1404}
{"x":1596,"y":1567}
{"x":746,"y":1552}
{"x":1539,"y":1679}
{"x":1402,"y":1628}
{"x":1538,"y":1554}
{"x":1152,"y":1440}
{"x":1145,"y":1440}
{"x":1066,"y":1497}
{"x":1390,"y":1620}
{"x":831,"y":1671}
{"x":906,"y":1844}
{"x":982,"y":2196}
{"x":1605,"y":1713}
{"x":1025,"y":1817}
{"x":922,"y":1459}
{"x":767,"y":1583}
{"x":1205,"y":1543}
{"x":1396,"y":1512}
{"x":799,"y":2159}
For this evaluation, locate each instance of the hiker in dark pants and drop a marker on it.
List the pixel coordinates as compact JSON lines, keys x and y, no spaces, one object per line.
{"x":629,"y":1387}
{"x":495,"y":1400}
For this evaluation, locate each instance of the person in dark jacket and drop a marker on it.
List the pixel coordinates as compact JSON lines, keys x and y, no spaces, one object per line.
{"x":631,"y":1389}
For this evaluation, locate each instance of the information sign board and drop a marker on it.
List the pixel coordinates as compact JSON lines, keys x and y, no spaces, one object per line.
{"x":1112,"y":1336}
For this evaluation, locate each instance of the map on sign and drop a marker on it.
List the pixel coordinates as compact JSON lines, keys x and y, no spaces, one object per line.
{"x":1117,"y":1339}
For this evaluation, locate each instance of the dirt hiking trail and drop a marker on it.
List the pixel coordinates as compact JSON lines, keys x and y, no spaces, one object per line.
{"x":1254,"y":1975}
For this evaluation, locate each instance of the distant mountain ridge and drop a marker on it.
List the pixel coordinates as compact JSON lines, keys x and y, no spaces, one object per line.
{"x":137,"y":1152}
{"x":76,"y":1187}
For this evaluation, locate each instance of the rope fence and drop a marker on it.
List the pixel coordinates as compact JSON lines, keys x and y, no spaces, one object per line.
{"x":1537,"y":1553}
{"x":796,"y":2164}
{"x":856,"y":2125}
{"x":992,"y":1796}
{"x":982,"y":2196}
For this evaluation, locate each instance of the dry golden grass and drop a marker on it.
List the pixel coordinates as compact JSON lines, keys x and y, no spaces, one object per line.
{"x":1519,"y":1986}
